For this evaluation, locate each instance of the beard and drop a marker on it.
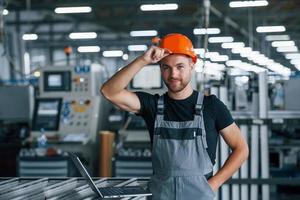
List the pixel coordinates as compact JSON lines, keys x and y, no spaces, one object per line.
{"x":176,"y":87}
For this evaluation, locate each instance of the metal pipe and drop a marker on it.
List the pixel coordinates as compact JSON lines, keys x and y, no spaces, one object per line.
{"x":264,"y":144}
{"x":244,"y":168}
{"x":225,"y":190}
{"x":254,"y":160}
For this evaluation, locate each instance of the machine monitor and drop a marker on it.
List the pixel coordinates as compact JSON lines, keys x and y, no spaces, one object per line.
{"x":46,"y":114}
{"x":57,"y":81}
{"x":148,"y":78}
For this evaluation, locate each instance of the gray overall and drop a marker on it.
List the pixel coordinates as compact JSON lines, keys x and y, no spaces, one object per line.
{"x":180,"y":159}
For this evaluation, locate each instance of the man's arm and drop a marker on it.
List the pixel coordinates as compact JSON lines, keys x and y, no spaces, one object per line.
{"x":235,"y":140}
{"x":115,"y":88}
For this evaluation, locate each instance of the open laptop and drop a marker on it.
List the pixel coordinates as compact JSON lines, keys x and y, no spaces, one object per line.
{"x":109,"y":192}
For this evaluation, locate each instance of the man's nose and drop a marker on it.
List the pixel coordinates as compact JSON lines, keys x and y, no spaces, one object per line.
{"x":174,"y":73}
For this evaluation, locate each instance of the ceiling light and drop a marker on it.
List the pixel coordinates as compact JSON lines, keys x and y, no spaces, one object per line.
{"x":295,"y":62}
{"x":232,"y":63}
{"x":239,"y":4}
{"x":277,"y":37}
{"x":143,"y":33}
{"x":30,"y":37}
{"x":5,"y":12}
{"x":262,"y":61}
{"x":137,"y":47}
{"x":37,"y":74}
{"x":279,"y":69}
{"x":88,"y":49}
{"x":211,"y":54}
{"x":158,"y":7}
{"x":214,"y":66}
{"x":283,"y":43}
{"x":251,"y":55}
{"x":220,"y":58}
{"x":230,"y":45}
{"x":209,"y":31}
{"x":66,"y":10}
{"x":220,"y":39}
{"x":287,"y":49}
{"x":269,"y":29}
{"x":125,"y":56}
{"x":199,"y":50}
{"x":113,"y":53}
{"x":298,"y":67}
{"x":83,"y":35}
{"x":241,"y":50}
{"x":292,"y":56}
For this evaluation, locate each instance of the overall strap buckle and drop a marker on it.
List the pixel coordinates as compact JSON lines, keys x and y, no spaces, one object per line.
{"x":160,"y":105}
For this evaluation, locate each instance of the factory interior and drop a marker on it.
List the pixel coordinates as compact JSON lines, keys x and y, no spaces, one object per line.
{"x":56,"y":55}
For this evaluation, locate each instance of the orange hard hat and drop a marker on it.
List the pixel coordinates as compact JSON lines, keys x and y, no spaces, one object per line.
{"x":176,"y":43}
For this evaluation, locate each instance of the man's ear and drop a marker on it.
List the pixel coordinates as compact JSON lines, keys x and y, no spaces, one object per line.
{"x":192,"y":64}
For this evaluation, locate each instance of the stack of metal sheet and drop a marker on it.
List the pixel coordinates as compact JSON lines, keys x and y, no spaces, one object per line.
{"x":60,"y":188}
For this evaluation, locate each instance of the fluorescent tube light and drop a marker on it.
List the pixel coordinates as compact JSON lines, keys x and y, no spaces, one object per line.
{"x":287,"y":49}
{"x":240,"y":4}
{"x":295,"y":62}
{"x":269,"y":29}
{"x":292,"y":56}
{"x":144,"y":33}
{"x":230,"y":45}
{"x":220,"y":39}
{"x":211,"y":54}
{"x":88,"y":49}
{"x":209,"y":31}
{"x":30,"y":37}
{"x":277,"y":37}
{"x":283,"y":43}
{"x":279,"y":69}
{"x":83,"y":35}
{"x":158,"y":7}
{"x":67,"y":10}
{"x":241,"y":50}
{"x":137,"y":47}
{"x":199,"y":51}
{"x":113,"y":53}
{"x":232,"y":63}
{"x":215,"y":66}
{"x":220,"y":58}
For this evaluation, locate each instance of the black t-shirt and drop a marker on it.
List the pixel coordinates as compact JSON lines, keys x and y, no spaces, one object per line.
{"x":215,"y":113}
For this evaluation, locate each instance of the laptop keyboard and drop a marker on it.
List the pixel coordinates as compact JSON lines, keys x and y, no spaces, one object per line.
{"x":107,"y":191}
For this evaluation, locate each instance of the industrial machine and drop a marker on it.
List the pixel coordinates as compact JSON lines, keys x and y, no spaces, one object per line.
{"x":16,"y":104}
{"x":69,"y":110}
{"x":271,"y":132}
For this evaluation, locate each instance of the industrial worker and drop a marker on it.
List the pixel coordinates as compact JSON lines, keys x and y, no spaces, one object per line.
{"x":184,"y":125}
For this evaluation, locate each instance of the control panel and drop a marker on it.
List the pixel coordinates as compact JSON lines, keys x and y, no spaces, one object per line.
{"x":76,"y":117}
{"x":78,"y":80}
{"x":79,"y":114}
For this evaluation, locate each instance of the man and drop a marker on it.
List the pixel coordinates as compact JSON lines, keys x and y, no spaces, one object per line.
{"x":183,"y":123}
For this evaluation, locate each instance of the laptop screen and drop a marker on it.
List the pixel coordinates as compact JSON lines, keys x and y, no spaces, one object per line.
{"x":84,"y":173}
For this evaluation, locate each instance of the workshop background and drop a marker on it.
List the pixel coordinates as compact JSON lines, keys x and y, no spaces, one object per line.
{"x":55,"y":55}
